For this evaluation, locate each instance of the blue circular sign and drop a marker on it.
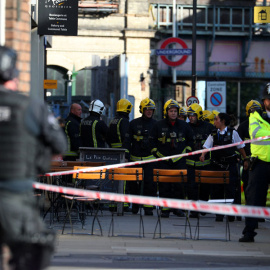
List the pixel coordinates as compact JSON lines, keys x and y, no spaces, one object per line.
{"x":216,"y":99}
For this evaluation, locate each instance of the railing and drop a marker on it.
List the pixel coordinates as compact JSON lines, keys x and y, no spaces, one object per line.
{"x":100,"y":6}
{"x":221,"y":20}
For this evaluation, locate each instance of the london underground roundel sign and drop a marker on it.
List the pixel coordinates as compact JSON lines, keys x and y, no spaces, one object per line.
{"x":185,"y":50}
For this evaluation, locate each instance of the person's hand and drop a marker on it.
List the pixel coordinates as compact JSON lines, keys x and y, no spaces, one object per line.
{"x":202,"y":158}
{"x":246,"y":164}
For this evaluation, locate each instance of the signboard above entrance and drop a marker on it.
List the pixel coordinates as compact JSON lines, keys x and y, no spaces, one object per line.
{"x":58,"y":17}
{"x":163,"y":52}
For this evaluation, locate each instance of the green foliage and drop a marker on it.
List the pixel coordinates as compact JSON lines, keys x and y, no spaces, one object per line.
{"x":249,"y":91}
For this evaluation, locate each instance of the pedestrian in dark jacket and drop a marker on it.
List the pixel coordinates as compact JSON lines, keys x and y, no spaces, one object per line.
{"x":72,"y":129}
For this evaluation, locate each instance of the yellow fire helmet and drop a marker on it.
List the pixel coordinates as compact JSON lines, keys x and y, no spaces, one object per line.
{"x":208,"y":116}
{"x":183,"y":111}
{"x":147,"y":103}
{"x":124,"y":105}
{"x":195,"y":109}
{"x":252,"y":106}
{"x":171,"y":103}
{"x":216,"y":113}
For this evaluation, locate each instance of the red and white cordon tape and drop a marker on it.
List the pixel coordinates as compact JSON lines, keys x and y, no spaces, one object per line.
{"x":219,"y":208}
{"x":128,"y":164}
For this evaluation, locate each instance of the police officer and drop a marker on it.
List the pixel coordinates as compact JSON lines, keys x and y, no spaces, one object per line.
{"x":93,"y":128}
{"x":171,"y":136}
{"x":138,"y":148}
{"x":224,"y":159}
{"x":256,"y":190}
{"x":72,"y":130}
{"x":252,"y":105}
{"x":119,"y":125}
{"x":29,"y":136}
{"x":201,"y":130}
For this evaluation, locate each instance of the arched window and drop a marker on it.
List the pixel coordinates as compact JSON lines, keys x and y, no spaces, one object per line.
{"x":83,"y":82}
{"x":59,"y":74}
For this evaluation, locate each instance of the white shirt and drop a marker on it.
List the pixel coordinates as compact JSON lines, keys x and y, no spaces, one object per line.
{"x":235,"y":139}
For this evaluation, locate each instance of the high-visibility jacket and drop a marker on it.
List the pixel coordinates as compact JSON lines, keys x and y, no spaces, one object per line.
{"x":93,"y":131}
{"x":72,"y":130}
{"x":259,"y":127}
{"x":117,"y":130}
{"x":201,"y":131}
{"x":167,"y":139}
{"x":137,"y":139}
{"x":244,"y":134}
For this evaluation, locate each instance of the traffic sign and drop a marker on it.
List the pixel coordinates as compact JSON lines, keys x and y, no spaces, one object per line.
{"x":185,"y":51}
{"x":190,"y":100}
{"x":216,"y":99}
{"x":216,"y":96}
{"x":261,"y":14}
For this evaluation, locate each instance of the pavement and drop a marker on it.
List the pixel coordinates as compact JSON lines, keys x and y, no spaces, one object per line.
{"x":178,"y":247}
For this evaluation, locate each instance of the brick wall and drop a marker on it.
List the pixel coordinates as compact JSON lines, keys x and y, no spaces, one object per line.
{"x":18,"y":37}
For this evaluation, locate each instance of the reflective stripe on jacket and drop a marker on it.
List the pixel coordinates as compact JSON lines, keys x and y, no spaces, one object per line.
{"x":258,"y":127}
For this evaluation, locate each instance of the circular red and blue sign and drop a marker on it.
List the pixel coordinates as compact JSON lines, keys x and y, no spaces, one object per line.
{"x":216,"y":99}
{"x":170,"y":41}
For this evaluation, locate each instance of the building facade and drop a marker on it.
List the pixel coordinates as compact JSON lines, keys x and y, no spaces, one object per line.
{"x":15,"y":32}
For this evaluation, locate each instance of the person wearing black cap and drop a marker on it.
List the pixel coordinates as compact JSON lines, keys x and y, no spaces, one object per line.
{"x":29,"y":135}
{"x":259,"y":174}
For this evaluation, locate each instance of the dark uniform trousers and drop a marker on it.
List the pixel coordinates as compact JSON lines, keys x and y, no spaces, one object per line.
{"x":193,"y":191}
{"x":172,"y":190}
{"x":230,"y":190}
{"x":256,"y":192}
{"x":149,"y":187}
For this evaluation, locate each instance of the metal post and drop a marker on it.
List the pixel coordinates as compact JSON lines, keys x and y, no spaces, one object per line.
{"x":194,"y":28}
{"x":174,"y":35}
{"x":123,"y":76}
{"x":69,"y":87}
{"x":238,"y":102}
{"x":45,"y":66}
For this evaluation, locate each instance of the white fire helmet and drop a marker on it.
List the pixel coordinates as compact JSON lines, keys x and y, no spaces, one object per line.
{"x":97,"y":106}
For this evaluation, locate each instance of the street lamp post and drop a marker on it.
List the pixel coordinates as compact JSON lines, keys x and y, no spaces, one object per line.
{"x":69,"y":87}
{"x":194,"y":29}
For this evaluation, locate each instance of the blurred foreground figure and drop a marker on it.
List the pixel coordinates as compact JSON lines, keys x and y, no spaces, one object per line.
{"x":259,"y":169}
{"x":29,"y":135}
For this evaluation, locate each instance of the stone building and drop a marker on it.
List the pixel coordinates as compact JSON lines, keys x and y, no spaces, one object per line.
{"x":110,"y":57}
{"x":15,"y":32}
{"x":113,"y":55}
